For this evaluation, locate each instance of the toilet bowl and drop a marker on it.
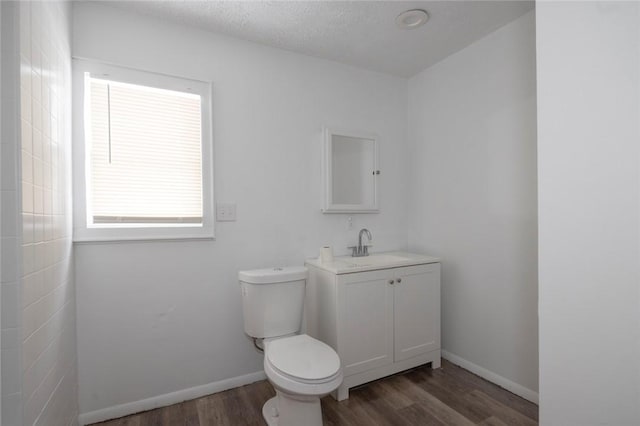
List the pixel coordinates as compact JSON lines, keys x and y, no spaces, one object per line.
{"x":300,"y":368}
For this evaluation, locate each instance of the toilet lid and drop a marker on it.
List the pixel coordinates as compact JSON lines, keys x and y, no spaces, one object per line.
{"x":304,"y":357}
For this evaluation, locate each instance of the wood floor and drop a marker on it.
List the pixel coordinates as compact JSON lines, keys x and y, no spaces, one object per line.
{"x":447,"y":396}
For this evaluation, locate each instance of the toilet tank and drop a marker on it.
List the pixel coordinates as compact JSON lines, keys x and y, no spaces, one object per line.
{"x":272,"y":300}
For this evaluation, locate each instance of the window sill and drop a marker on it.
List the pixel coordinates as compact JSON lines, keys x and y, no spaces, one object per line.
{"x":131,"y":235}
{"x":121,"y":240}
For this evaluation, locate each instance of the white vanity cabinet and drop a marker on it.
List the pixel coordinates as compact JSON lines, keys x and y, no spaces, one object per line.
{"x":380,"y":321}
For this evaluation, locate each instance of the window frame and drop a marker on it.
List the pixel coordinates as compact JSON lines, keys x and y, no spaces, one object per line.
{"x":81,"y":161}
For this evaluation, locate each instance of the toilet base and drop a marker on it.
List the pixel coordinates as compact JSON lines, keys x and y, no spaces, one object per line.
{"x":270,"y":411}
{"x":289,"y":410}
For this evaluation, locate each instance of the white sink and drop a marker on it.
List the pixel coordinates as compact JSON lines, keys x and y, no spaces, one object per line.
{"x":376,"y":260}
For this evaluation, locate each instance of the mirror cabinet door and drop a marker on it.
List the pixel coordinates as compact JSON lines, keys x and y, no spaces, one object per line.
{"x":351,"y":172}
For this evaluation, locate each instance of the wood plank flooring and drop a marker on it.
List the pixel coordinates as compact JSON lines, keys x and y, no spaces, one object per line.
{"x":447,"y":396}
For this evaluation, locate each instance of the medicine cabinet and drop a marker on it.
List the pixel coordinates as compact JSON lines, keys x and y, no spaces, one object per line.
{"x":350,"y":166}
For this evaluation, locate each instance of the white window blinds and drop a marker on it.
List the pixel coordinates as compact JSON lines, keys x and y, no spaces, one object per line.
{"x":145,"y":159}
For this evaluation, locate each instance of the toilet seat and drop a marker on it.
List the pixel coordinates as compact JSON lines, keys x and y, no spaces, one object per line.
{"x":302,"y":365}
{"x":303,"y":357}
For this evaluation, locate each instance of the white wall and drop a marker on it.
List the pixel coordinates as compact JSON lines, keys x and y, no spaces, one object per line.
{"x":472,"y":186}
{"x":588,"y":166}
{"x":38,"y":324}
{"x":155,"y":318}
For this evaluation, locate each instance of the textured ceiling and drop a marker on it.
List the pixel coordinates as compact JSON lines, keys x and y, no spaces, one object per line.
{"x":360,"y":33}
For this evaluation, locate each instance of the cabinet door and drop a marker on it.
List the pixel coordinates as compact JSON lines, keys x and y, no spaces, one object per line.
{"x":365,"y":321}
{"x":417,"y":310}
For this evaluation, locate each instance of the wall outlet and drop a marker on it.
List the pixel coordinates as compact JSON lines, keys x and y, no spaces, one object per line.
{"x":225,"y":212}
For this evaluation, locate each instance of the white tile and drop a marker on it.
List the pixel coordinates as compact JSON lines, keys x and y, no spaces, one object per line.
{"x":58,"y":226}
{"x":10,"y":83}
{"x":10,"y":305}
{"x":9,"y":265}
{"x":36,"y":87}
{"x":9,"y":173}
{"x":46,"y":63}
{"x":49,"y":231}
{"x":25,"y":28}
{"x":8,"y":22}
{"x":38,"y":228}
{"x":32,"y":318}
{"x":49,"y":246}
{"x":45,"y":352}
{"x":56,"y":203}
{"x":46,"y":121}
{"x":54,"y":154}
{"x":46,"y":177}
{"x":37,"y":172}
{"x":46,"y":152}
{"x":27,"y":198}
{"x":25,"y":104}
{"x":46,"y":92}
{"x":54,"y":127}
{"x":25,"y":77}
{"x":54,"y":94}
{"x":36,"y":57}
{"x":9,"y":133}
{"x":60,"y":273}
{"x":30,"y":290}
{"x":10,"y":375}
{"x":27,"y":167}
{"x":37,"y":372}
{"x":56,"y":257}
{"x":47,"y":203}
{"x":36,"y":342}
{"x":27,"y":228}
{"x":9,"y":216}
{"x":27,"y":139}
{"x":10,"y":338}
{"x":37,"y":200}
{"x":36,"y":114}
{"x":55,"y":274}
{"x":36,"y":33}
{"x":37,"y":143}
{"x":38,"y":256}
{"x":46,"y":280}
{"x":56,"y":183}
{"x":11,"y":409}
{"x":28,"y":261}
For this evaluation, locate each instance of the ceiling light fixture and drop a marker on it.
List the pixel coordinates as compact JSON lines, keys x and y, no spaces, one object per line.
{"x":411,"y":19}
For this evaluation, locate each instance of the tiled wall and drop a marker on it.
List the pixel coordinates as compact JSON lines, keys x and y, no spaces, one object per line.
{"x":11,"y":318}
{"x":42,"y":295}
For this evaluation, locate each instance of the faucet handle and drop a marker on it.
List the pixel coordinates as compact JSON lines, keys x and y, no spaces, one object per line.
{"x":365,"y":249}
{"x":354,"y":251}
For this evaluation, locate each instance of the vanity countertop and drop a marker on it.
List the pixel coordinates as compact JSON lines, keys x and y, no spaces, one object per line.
{"x":375,"y":261}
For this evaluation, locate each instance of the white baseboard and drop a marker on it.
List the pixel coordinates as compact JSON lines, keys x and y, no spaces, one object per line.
{"x":198,"y":391}
{"x":503,"y":382}
{"x":168,"y":398}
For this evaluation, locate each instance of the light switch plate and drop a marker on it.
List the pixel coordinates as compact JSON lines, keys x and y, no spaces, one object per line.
{"x":225,"y":212}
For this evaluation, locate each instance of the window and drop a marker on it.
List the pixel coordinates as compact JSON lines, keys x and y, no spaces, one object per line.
{"x":143,"y":155}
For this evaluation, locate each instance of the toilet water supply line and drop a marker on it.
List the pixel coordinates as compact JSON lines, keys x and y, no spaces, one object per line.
{"x":255,"y":343}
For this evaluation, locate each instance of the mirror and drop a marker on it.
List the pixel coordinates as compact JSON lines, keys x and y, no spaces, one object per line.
{"x":351,"y":172}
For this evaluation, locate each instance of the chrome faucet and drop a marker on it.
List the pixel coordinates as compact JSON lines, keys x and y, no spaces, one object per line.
{"x":361,"y":250}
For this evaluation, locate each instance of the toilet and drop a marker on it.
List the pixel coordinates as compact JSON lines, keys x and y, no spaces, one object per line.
{"x":300,"y":368}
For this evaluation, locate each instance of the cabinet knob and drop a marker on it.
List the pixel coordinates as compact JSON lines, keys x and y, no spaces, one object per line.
{"x":391,"y":282}
{"x":399,"y":280}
